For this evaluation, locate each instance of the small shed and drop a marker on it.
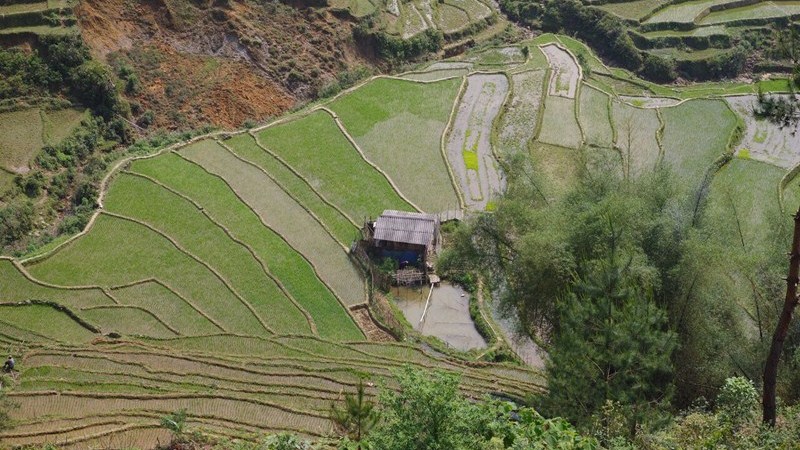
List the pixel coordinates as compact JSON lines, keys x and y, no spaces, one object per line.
{"x":407,"y":237}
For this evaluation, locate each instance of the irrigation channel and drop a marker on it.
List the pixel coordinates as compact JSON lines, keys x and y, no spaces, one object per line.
{"x":447,"y":315}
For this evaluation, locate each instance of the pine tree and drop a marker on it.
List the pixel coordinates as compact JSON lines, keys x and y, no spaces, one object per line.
{"x":358,"y":415}
{"x":612,"y":346}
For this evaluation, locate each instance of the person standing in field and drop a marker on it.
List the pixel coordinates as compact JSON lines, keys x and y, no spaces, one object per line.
{"x":9,"y":365}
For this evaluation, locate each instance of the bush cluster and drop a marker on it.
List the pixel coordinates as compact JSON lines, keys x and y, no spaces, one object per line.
{"x":59,"y":65}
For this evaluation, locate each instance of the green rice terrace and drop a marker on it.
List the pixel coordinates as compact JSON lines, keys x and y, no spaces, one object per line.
{"x":696,"y":30}
{"x":407,"y":19}
{"x":23,"y":18}
{"x":216,"y":275}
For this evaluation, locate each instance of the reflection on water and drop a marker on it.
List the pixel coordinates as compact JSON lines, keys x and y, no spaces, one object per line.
{"x":447,"y":317}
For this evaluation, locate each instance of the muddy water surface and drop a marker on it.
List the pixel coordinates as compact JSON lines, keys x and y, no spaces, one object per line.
{"x":447,"y":317}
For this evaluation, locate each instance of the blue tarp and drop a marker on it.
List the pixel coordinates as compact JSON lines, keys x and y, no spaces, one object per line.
{"x":403,"y":257}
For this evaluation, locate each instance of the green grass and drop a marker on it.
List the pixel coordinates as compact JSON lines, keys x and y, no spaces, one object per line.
{"x":435,"y":75}
{"x":118,"y":251}
{"x":358,"y":8}
{"x":614,"y":85}
{"x":16,"y":288}
{"x":470,"y":160}
{"x":684,"y":12}
{"x":316,"y":148}
{"x":693,"y":55}
{"x":46,"y":321}
{"x":594,"y":115}
{"x":6,"y":180}
{"x":691,"y":147}
{"x":245,"y":146}
{"x":559,"y":126}
{"x":765,"y":10}
{"x":700,"y":31}
{"x":634,"y":10}
{"x":285,"y":216}
{"x":474,"y":8}
{"x":26,"y":131}
{"x":44,"y":30}
{"x":140,"y":199}
{"x":167,"y":306}
{"x":21,"y":138}
{"x":59,"y":124}
{"x":282,"y":260}
{"x":127,"y":321}
{"x":556,"y":169}
{"x":23,"y":7}
{"x":536,"y":59}
{"x":497,"y":56}
{"x":451,"y":19}
{"x":744,"y":195}
{"x":636,"y":135}
{"x":741,"y":212}
{"x":384,"y":109}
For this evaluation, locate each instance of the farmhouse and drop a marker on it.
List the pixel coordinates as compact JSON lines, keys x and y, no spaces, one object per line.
{"x":409,"y":238}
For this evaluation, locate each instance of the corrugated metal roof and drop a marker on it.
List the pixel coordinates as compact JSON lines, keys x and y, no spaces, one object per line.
{"x":406,"y":227}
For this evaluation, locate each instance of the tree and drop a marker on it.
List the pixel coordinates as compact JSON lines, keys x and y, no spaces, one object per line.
{"x":427,"y":413}
{"x":612,"y":345}
{"x":357,"y":417}
{"x":175,"y":422}
{"x":787,"y":40}
{"x":94,"y":86}
{"x":782,"y":328}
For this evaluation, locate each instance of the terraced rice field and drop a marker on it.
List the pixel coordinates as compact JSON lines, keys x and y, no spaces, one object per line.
{"x":556,"y":169}
{"x":283,"y":214}
{"x":469,"y":146}
{"x":216,"y":276}
{"x":25,"y":132}
{"x":637,"y":137}
{"x":635,"y":10}
{"x":684,"y":12}
{"x":595,"y":117}
{"x":331,"y":217}
{"x":498,"y":56}
{"x":260,"y":385}
{"x":26,"y":18}
{"x":691,"y":149}
{"x":407,"y":19}
{"x":318,"y":150}
{"x":765,"y":10}
{"x":695,"y":32}
{"x":517,"y":126}
{"x":387,"y":107}
{"x":452,"y":18}
{"x":565,"y":72}
{"x":559,"y":125}
{"x":764,"y":140}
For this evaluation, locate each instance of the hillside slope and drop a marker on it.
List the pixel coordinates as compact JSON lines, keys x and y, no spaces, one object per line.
{"x":202,"y":62}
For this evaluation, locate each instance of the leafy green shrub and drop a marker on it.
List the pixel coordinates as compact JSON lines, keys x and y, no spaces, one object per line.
{"x":23,"y":74}
{"x":737,"y":400}
{"x":16,"y":221}
{"x":175,"y":422}
{"x":659,"y":69}
{"x":396,"y":49}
